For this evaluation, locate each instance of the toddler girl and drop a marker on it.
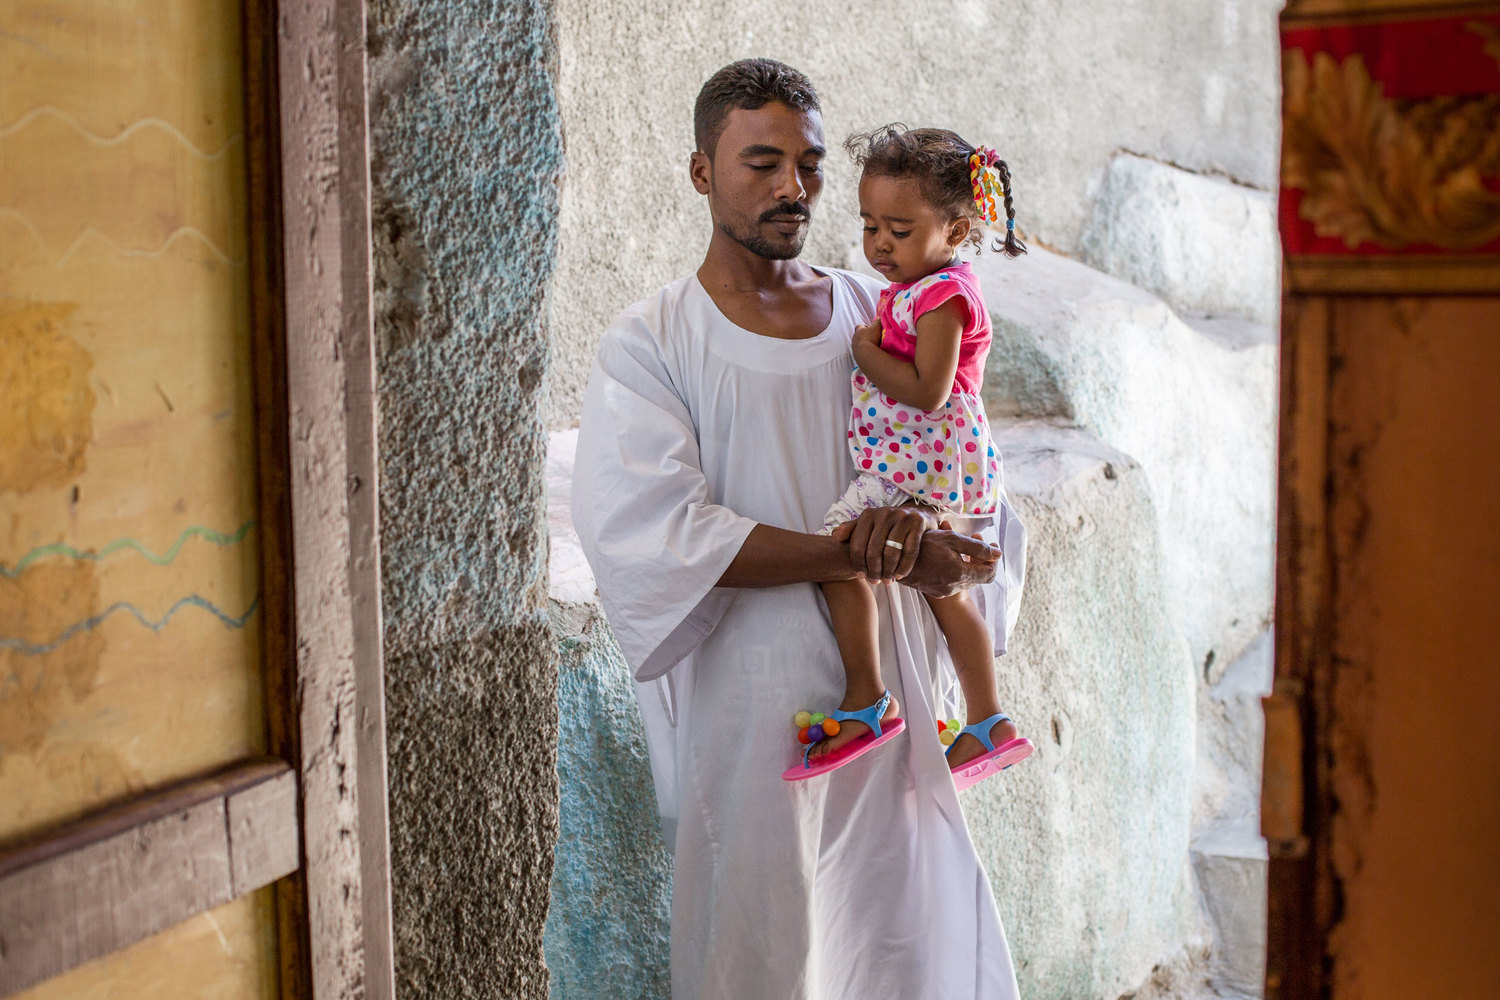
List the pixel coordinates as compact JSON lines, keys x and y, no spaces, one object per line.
{"x":918,"y":430}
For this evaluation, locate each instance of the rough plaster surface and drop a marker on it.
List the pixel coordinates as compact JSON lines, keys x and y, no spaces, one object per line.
{"x":465,"y":163}
{"x":1057,"y":90}
{"x":1204,"y":244}
{"x":1087,"y":844}
{"x":1231,"y":732}
{"x":1195,"y":406}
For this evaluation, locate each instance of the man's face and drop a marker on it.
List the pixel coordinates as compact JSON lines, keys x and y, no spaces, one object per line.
{"x":764,"y":178}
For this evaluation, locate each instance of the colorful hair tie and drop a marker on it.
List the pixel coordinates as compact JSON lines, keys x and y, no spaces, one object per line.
{"x":985,"y":180}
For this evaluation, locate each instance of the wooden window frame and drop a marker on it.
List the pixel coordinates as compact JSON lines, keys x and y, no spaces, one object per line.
{"x":310,"y":820}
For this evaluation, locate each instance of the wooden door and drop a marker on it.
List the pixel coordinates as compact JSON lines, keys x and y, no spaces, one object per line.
{"x":130,"y":530}
{"x":1382,"y":786}
{"x":180,"y":800}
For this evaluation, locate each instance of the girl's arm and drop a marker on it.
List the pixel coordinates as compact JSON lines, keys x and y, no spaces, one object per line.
{"x":927,"y":381}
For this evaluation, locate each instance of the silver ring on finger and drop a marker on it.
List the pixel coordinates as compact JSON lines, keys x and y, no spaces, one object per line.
{"x":894,"y":544}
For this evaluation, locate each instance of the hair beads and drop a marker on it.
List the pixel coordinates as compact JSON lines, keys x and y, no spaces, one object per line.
{"x":989,"y":175}
{"x":986,"y":181}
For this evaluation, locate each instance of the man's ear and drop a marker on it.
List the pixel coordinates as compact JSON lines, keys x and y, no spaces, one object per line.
{"x":700,"y":169}
{"x":959,"y":232}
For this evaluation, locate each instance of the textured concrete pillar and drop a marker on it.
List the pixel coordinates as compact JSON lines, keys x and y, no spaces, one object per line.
{"x":467,"y":156}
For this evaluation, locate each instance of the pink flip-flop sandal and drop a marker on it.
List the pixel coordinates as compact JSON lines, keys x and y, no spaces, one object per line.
{"x":877,"y":735}
{"x":994,"y":759}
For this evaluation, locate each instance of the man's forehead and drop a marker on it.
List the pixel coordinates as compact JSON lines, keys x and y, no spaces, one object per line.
{"x":772,"y":126}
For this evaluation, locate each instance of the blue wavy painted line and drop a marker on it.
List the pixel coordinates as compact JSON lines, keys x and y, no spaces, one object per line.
{"x":165,"y":559}
{"x":88,"y":624}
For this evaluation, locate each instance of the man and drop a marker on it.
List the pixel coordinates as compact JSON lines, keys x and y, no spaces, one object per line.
{"x":712,"y":443}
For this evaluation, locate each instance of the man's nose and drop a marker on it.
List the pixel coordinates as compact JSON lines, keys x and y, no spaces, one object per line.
{"x":789,"y":186}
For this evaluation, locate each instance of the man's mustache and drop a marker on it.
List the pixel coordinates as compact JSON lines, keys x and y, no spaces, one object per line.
{"x":796,"y":210}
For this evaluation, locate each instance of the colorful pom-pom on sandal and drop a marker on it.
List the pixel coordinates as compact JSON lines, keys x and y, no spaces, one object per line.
{"x":994,"y":759}
{"x":812,"y":728}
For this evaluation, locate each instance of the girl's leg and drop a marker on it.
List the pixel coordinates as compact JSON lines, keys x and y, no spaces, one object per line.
{"x":973,"y":652}
{"x":851,"y":605}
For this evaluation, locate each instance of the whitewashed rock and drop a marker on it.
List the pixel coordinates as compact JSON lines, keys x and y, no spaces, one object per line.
{"x":1196,"y":408}
{"x":1087,"y":843}
{"x":1230,"y":742}
{"x":1204,"y":244}
{"x":1229,"y":855}
{"x":607,"y":927}
{"x":569,"y":578}
{"x":1230,"y":866}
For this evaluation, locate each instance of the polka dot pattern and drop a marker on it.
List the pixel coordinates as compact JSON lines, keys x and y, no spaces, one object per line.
{"x":911,"y":448}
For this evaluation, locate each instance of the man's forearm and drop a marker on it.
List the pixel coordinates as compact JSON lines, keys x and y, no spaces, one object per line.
{"x":774,"y":557}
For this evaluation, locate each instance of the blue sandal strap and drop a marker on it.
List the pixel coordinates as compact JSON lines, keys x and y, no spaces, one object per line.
{"x":869,"y":716}
{"x":981,"y":732}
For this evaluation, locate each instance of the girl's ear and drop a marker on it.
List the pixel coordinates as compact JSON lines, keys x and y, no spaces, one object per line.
{"x":960,"y":231}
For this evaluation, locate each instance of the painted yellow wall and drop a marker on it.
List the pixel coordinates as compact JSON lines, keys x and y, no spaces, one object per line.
{"x":221,"y":954}
{"x":127,"y":470}
{"x":129,"y":538}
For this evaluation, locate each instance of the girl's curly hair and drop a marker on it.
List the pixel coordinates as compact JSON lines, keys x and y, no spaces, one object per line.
{"x":938,"y":160}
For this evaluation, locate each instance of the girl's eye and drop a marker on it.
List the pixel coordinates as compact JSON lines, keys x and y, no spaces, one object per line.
{"x":900,"y":236}
{"x":869,"y":229}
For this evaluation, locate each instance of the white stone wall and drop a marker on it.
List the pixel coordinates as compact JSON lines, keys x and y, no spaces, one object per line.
{"x":1057,"y":87}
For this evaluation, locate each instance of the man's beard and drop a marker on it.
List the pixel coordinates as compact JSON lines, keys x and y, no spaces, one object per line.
{"x":757,"y":244}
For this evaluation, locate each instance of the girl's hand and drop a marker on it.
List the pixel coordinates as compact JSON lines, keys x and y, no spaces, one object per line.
{"x":869,"y":334}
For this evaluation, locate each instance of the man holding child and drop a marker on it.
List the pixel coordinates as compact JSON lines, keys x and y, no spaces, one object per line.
{"x":713,"y":440}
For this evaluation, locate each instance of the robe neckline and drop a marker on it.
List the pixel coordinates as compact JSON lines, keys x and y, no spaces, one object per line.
{"x":820,"y":337}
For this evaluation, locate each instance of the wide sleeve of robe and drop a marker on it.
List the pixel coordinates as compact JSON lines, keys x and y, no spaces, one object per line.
{"x":641,"y":505}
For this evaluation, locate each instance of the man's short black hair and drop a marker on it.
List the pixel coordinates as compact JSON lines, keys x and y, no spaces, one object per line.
{"x":747,"y":84}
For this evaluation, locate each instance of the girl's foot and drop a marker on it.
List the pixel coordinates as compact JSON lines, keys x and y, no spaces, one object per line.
{"x":967,"y":747}
{"x":850,"y":730}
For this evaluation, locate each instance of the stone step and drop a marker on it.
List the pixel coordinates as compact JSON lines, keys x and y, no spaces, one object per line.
{"x":1193,"y":402}
{"x":1229,"y":863}
{"x":1203,"y":243}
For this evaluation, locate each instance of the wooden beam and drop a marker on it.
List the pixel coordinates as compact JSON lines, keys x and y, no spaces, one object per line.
{"x":116,"y":877}
{"x":1443,"y":274}
{"x":1289,"y":813}
{"x":268,"y":349}
{"x":339,"y":729}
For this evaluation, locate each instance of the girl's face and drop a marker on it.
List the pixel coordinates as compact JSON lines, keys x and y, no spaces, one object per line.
{"x":905,"y":237}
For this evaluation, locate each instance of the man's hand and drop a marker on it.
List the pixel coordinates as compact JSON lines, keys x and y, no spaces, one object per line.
{"x":949,"y":562}
{"x":884,"y":541}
